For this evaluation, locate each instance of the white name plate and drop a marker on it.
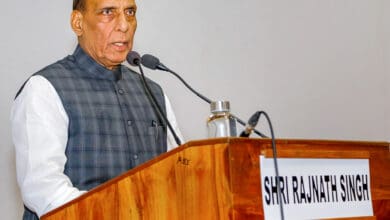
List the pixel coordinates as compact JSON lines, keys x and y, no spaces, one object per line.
{"x":316,"y":188}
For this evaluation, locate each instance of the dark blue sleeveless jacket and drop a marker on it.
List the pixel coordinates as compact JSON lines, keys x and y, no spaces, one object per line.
{"x":112,"y":125}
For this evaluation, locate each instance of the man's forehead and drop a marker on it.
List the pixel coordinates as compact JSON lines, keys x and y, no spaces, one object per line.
{"x":106,"y":3}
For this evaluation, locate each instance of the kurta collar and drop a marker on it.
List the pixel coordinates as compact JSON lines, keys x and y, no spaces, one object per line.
{"x":94,"y":69}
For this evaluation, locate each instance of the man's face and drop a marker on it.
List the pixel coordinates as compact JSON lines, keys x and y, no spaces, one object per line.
{"x":105,"y":29}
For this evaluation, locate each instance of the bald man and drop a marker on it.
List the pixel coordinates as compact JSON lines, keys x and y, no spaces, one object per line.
{"x":86,"y":118}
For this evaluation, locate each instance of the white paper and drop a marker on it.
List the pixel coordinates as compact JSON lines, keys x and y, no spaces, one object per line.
{"x":316,"y":188}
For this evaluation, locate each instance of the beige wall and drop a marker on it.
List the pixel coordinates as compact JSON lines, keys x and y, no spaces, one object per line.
{"x":386,"y":46}
{"x":319,"y":68}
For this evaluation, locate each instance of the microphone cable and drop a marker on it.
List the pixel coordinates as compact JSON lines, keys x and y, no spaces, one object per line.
{"x":255,"y":117}
{"x":153,"y":63}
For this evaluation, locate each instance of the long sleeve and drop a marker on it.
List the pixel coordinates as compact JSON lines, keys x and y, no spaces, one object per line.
{"x":171,"y":143}
{"x":40,"y":134}
{"x":39,"y":131}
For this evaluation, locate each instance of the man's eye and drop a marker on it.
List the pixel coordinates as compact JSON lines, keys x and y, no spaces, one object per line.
{"x":130,"y":12}
{"x":107,"y":11}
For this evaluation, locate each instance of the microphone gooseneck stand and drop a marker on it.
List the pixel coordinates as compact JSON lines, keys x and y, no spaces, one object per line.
{"x":153,"y":63}
{"x":133,"y":58}
{"x":154,"y":102}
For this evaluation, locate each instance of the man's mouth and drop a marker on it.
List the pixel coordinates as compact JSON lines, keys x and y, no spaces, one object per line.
{"x":121,"y":46}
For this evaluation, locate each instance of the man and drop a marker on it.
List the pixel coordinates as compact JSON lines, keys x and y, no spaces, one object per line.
{"x":86,"y":119}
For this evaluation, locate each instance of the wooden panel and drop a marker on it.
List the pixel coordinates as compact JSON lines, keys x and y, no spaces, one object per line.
{"x":245,"y":175}
{"x":214,"y":179}
{"x":188,"y":183}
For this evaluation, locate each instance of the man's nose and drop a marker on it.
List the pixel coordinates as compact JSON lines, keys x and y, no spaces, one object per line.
{"x":122,"y":23}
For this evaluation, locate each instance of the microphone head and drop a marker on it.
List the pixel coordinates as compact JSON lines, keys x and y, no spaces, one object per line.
{"x":133,"y":58}
{"x":150,"y":61}
{"x":254,"y":119}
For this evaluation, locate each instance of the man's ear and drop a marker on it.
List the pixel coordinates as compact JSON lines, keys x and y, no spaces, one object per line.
{"x":76,"y":21}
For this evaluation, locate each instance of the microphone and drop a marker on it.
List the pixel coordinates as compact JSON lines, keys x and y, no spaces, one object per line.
{"x":252,"y":122}
{"x":134,"y":59}
{"x":152,"y":62}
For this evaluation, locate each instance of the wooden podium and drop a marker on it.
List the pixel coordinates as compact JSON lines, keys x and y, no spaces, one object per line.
{"x":215,"y":179}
